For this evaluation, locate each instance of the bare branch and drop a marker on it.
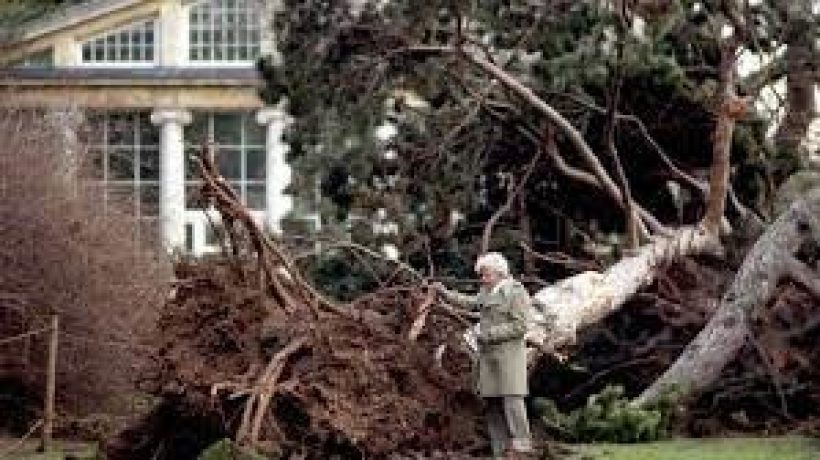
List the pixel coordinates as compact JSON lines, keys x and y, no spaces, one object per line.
{"x":730,"y":109}
{"x":514,"y":192}
{"x":561,"y":259}
{"x":552,"y":115}
{"x":603,"y":179}
{"x":678,"y":173}
{"x":584,"y":177}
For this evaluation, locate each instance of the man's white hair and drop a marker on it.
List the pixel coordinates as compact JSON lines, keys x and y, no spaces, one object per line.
{"x":493,"y":261}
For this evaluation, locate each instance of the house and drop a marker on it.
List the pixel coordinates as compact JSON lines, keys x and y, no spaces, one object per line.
{"x":154,"y":79}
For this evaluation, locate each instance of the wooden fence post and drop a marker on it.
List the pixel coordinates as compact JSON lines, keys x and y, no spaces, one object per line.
{"x":51,"y":385}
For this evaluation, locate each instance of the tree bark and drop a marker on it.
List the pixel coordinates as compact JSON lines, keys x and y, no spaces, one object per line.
{"x":730,"y":108}
{"x":588,"y":297}
{"x":800,"y":63}
{"x":770,"y":260}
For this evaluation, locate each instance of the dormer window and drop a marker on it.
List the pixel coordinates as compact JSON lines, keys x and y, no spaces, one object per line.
{"x":134,"y":43}
{"x":40,"y":60}
{"x":224,"y":31}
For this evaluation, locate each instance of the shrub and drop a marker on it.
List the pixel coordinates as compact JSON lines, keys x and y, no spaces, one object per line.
{"x":64,"y":253}
{"x":608,"y":417}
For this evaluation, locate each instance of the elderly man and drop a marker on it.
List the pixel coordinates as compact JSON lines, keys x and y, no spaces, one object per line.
{"x":502,"y":362}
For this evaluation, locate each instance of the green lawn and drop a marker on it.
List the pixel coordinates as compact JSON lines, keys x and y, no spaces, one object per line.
{"x":28,"y":451}
{"x":786,"y":448}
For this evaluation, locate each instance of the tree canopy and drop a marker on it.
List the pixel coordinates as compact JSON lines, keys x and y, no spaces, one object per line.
{"x":393,"y":123}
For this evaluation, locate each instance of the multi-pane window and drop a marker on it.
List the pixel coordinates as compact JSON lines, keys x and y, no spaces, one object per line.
{"x":40,"y":59}
{"x":224,"y":31}
{"x":239,"y":146}
{"x":135,"y":43}
{"x":124,"y":149}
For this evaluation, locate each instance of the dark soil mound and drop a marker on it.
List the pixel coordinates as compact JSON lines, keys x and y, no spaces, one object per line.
{"x":357,"y":386}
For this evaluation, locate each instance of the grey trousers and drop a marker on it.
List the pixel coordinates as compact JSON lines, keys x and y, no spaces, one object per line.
{"x":508,"y":425}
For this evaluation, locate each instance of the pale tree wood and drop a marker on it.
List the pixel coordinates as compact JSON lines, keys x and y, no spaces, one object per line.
{"x":421,"y":315}
{"x":256,"y":406}
{"x":770,"y":260}
{"x":588,"y":297}
{"x":267,"y":384}
{"x":730,"y":109}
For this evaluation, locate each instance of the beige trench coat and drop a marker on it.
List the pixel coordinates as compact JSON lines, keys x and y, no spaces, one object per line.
{"x":502,"y":360}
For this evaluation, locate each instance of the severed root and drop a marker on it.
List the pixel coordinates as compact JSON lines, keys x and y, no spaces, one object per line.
{"x":257,"y":405}
{"x":421,"y":315}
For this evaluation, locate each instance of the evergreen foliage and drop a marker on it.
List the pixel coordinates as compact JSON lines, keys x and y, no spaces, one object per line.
{"x":608,"y":417}
{"x":225,"y":449}
{"x":348,"y":68}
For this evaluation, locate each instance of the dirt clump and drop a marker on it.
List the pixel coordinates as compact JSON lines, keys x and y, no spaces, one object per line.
{"x":246,"y":344}
{"x":355,"y":386}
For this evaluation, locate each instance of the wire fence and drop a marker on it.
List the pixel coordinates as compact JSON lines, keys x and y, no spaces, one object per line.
{"x":7,"y":453}
{"x":29,"y":356}
{"x":23,"y":335}
{"x":46,"y":423}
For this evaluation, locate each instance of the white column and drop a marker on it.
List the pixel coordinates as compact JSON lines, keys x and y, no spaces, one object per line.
{"x":277,"y":171}
{"x":173,"y":35}
{"x":171,"y":176}
{"x":66,"y":52}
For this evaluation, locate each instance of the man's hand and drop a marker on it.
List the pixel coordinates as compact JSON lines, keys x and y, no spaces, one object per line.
{"x":437,"y":286}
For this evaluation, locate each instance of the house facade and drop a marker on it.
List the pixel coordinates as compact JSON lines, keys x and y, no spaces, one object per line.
{"x":148,"y":82}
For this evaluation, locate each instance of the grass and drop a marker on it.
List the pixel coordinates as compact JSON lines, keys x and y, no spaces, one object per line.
{"x":784,"y":448}
{"x":61,"y":449}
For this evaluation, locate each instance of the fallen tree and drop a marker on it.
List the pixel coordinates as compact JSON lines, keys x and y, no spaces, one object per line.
{"x":304,"y":320}
{"x":773,"y":258}
{"x":586,"y":298}
{"x":247,"y":350}
{"x":769,"y":387}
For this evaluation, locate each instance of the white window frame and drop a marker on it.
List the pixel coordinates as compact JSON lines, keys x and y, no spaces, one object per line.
{"x":78,"y":47}
{"x":200,"y":219}
{"x":241,"y":148}
{"x":247,"y":63}
{"x":25,"y":62}
{"x":136,"y":183}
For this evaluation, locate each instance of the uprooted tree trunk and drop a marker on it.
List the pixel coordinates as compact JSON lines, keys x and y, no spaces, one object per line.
{"x":771,"y":259}
{"x":587,"y":298}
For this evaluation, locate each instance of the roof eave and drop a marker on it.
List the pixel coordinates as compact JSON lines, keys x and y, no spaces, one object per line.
{"x":70,"y":17}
